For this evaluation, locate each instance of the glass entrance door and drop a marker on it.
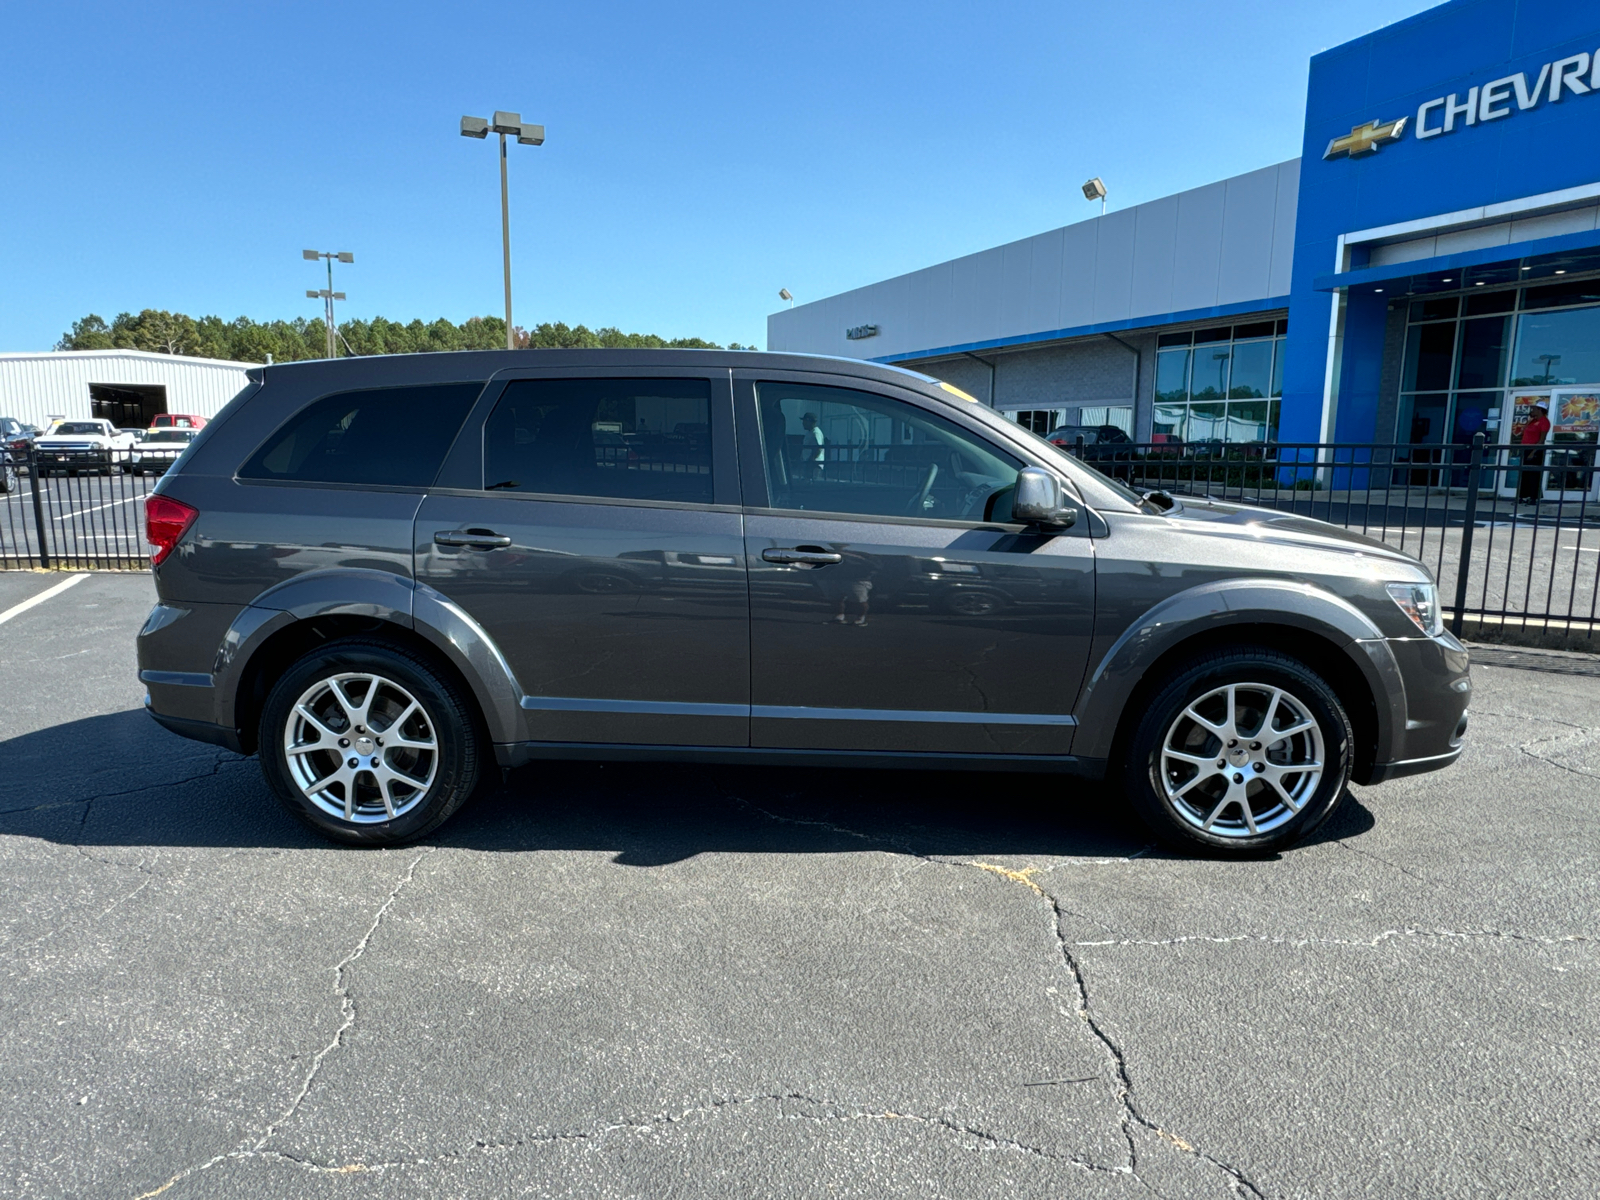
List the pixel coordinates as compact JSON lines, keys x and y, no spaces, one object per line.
{"x":1519,"y":411}
{"x":1574,"y":428}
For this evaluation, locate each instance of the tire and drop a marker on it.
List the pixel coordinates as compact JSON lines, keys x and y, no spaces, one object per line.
{"x":8,"y":478}
{"x":1254,"y":803}
{"x":415,"y":787}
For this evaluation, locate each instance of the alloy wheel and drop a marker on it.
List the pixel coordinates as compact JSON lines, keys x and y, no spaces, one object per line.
{"x":1242,"y":760}
{"x":361,"y":747}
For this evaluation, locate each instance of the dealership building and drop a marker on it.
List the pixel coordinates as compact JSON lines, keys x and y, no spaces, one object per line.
{"x":1426,"y":267}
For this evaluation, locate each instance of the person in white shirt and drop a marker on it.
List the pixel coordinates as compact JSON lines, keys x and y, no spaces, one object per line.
{"x":811,"y":444}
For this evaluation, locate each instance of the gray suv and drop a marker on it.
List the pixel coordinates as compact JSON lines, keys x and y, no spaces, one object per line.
{"x":388,"y":576}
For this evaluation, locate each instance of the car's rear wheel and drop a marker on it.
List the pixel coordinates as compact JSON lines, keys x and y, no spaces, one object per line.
{"x":8,"y":478}
{"x":1244,"y":752}
{"x":370,"y":744}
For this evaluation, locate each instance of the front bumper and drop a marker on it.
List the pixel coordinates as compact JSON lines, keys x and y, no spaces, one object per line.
{"x":1429,"y":721}
{"x":75,"y":458}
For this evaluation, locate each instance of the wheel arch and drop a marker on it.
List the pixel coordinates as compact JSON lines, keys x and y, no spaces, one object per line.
{"x":289,"y":621}
{"x":1299,"y":620}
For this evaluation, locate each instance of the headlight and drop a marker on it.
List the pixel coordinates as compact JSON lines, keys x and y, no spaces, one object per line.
{"x":1420,"y":602}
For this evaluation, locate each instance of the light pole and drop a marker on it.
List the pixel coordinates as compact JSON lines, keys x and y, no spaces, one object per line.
{"x":1095,"y":189}
{"x":327,"y":295}
{"x":786,"y":294}
{"x":1549,"y":361}
{"x":527,"y":135}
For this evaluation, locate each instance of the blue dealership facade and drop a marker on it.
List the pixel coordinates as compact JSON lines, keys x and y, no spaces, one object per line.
{"x":1426,"y":268}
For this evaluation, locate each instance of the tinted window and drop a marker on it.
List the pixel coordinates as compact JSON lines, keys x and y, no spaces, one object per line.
{"x":384,"y":436}
{"x":630,"y":439}
{"x":839,"y":450}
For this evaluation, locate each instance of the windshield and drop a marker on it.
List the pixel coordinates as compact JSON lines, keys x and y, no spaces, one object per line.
{"x":79,"y":427}
{"x":170,"y":435}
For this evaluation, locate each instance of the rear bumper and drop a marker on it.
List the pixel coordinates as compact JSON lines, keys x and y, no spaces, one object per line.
{"x":196,"y":731}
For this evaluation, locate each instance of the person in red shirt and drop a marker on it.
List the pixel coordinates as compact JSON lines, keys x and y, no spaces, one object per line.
{"x":1533,"y":435}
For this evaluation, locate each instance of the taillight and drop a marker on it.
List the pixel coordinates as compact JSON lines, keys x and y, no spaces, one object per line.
{"x":165,"y":521}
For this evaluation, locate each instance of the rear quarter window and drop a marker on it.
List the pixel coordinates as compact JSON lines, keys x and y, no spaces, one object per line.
{"x":395,"y":437}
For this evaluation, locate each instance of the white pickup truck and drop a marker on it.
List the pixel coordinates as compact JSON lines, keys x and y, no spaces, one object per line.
{"x":83,"y":446}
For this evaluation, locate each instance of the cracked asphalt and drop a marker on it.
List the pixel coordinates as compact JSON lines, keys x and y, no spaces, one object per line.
{"x":637,"y":981}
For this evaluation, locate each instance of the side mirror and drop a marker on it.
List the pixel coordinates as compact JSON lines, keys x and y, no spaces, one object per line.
{"x":1039,"y":500}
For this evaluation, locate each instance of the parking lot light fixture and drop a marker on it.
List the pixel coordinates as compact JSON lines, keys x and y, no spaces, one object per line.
{"x":1095,"y":189}
{"x":504,"y":124}
{"x":327,"y":295}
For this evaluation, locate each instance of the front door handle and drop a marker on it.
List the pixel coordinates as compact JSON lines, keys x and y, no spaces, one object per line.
{"x":802,"y":556}
{"x":477,"y":539}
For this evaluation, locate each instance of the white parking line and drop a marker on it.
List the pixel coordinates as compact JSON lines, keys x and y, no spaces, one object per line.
{"x":18,"y":609}
{"x":80,"y":512}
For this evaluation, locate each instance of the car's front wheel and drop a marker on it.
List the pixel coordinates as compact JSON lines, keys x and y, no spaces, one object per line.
{"x":370,"y":744}
{"x":1243,"y":752}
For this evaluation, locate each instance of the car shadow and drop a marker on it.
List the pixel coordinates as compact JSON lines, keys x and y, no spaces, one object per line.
{"x":121,"y":780}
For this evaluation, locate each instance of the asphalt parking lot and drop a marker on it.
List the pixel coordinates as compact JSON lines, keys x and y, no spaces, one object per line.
{"x":686,"y":981}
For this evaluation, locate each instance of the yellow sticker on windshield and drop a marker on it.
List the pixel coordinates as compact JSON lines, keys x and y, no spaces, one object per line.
{"x":954,"y":390}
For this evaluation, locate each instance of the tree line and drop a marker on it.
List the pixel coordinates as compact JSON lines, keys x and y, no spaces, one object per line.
{"x":244,"y":340}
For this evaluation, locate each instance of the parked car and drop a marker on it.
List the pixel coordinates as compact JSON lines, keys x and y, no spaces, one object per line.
{"x":16,"y":439}
{"x":385,"y":619}
{"x":1068,"y":436}
{"x":177,"y":421}
{"x":1107,"y":446}
{"x":83,"y":445}
{"x":158,"y":449}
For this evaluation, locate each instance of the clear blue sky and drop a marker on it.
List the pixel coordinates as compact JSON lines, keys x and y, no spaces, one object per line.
{"x":700,"y":155}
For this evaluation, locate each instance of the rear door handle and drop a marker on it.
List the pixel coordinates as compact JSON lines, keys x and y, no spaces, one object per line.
{"x":477,"y":539}
{"x":802,"y":556}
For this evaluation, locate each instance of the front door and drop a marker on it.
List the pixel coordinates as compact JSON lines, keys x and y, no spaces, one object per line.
{"x":891,"y":610}
{"x":599,"y":544}
{"x":1574,"y":430}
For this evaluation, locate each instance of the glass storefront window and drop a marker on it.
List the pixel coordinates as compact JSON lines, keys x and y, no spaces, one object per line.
{"x":1101,"y":416}
{"x":1210,"y":380}
{"x":1248,"y":420}
{"x":1483,"y":353}
{"x":1198,"y":374}
{"x":1208,"y":422}
{"x":1557,"y":347}
{"x":1252,"y":371}
{"x":1422,"y":418}
{"x":1475,"y":412}
{"x":1462,"y":351}
{"x":1169,"y":423}
{"x":1172,"y":376}
{"x":1430,"y":356}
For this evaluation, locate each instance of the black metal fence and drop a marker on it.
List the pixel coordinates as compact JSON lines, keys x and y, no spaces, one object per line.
{"x":1511,"y":533}
{"x":75,"y":519}
{"x":1513,"y":537}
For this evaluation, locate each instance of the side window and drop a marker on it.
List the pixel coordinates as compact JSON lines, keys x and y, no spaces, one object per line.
{"x":628,"y":439}
{"x":839,"y":450}
{"x":383,"y":436}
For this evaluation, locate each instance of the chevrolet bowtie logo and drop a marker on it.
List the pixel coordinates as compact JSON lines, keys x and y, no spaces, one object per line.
{"x":1365,"y":139}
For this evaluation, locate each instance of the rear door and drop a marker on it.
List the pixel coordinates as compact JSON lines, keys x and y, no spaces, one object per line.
{"x":892,"y":606}
{"x":589,"y":521}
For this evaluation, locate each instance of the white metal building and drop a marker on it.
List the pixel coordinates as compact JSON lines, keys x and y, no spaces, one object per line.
{"x":127,"y":387}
